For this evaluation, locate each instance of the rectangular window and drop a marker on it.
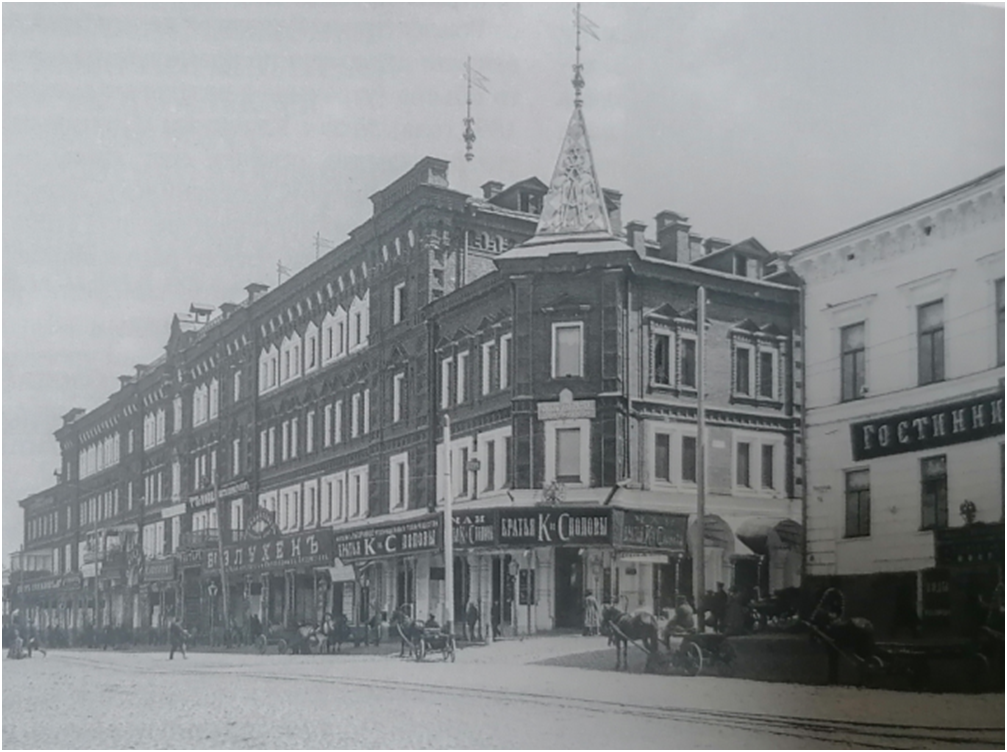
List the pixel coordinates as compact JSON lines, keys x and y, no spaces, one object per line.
{"x":688,"y":362}
{"x":742,"y":372}
{"x":309,"y":432}
{"x":399,"y":482}
{"x":743,"y":476}
{"x":398,"y":384}
{"x":852,"y":345}
{"x":445,"y":383}
{"x":327,"y":425}
{"x":662,"y":359}
{"x":568,"y":455}
{"x":285,"y":441}
{"x":567,"y":352}
{"x":487,"y":367}
{"x":463,"y":471}
{"x":236,"y":457}
{"x":662,"y":457}
{"x":934,"y":501}
{"x":293,"y":438}
{"x":272,"y":445}
{"x":355,"y":410}
{"x":508,"y":460}
{"x":689,"y":459}
{"x":367,"y":410}
{"x":1000,"y":321}
{"x":858,"y":503}
{"x":930,"y":319}
{"x":766,"y":375}
{"x":505,"y":346}
{"x":337,"y":422}
{"x":398,"y":302}
{"x":491,"y":465}
{"x":768,"y":479}
{"x":462,"y":377}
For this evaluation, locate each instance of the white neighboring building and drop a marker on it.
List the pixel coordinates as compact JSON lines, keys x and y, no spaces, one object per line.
{"x":904,"y":332}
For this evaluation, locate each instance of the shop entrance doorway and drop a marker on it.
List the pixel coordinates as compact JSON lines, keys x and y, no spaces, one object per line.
{"x":569,"y":588}
{"x":502,"y":611}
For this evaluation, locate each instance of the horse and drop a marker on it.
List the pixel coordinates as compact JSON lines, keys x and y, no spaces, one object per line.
{"x":336,"y":632}
{"x":848,"y":635}
{"x":621,"y":627}
{"x":410,"y":630}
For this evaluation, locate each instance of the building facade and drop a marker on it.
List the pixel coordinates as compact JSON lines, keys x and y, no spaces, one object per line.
{"x":904,"y":324}
{"x":289,"y":456}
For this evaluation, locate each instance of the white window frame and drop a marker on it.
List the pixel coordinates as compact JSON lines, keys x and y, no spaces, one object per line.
{"x":293,"y":437}
{"x":309,"y":432}
{"x":327,"y":424}
{"x":358,"y":507}
{"x":506,"y":346}
{"x":312,"y":356}
{"x":663,"y":331}
{"x":556,"y":326}
{"x":584,"y":424}
{"x":756,"y":440}
{"x":487,"y":367}
{"x":498,"y":437}
{"x":765,"y":347}
{"x":398,"y":463}
{"x":446,"y":368}
{"x":398,"y":383}
{"x":461,"y":377}
{"x":337,"y":422}
{"x":398,"y":298}
{"x":235,"y":457}
{"x":355,"y":405}
{"x":752,"y":371}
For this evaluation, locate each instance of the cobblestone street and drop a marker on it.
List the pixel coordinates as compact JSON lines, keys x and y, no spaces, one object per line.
{"x":490,"y":698}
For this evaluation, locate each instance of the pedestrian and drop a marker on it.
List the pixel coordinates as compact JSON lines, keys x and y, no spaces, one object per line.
{"x":592,"y":614}
{"x":718,"y":607}
{"x":734,"y":613}
{"x":495,"y":619}
{"x":177,"y":636}
{"x":32,"y":641}
{"x":472,"y":620}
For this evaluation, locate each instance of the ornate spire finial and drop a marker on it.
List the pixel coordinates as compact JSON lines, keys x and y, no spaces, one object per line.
{"x":585,"y":24}
{"x":477,"y":79}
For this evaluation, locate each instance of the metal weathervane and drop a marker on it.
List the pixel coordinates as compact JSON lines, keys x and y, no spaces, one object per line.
{"x":586,"y":25}
{"x":477,"y":79}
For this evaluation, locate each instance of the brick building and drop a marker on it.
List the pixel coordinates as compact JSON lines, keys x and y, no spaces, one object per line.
{"x":296,"y":441}
{"x":904,"y":322}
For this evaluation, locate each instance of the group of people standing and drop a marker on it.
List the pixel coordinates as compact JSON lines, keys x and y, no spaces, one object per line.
{"x":725,"y":612}
{"x":21,"y":638}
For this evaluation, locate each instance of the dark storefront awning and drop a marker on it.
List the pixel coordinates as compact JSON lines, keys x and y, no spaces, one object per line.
{"x":764,"y":533}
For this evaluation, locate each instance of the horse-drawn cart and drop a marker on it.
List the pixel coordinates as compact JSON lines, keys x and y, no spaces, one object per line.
{"x":304,"y":639}
{"x":434,"y":639}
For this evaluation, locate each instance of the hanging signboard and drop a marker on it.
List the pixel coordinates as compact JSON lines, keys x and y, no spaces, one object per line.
{"x":67,"y":582}
{"x":158,"y":570}
{"x":652,"y":531}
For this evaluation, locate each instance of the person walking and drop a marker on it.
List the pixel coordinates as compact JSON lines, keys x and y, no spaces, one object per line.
{"x":718,"y":607}
{"x":592,"y":615}
{"x":177,"y":636}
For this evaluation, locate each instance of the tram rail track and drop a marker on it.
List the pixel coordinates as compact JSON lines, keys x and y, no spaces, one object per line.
{"x":868,"y":735}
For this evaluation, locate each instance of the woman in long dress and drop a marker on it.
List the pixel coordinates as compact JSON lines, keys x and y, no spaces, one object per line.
{"x":592,"y":614}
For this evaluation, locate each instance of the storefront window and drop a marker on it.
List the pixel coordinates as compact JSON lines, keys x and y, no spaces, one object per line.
{"x":934,"y":501}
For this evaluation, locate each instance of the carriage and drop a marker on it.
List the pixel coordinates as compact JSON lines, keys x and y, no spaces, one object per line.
{"x":304,"y":640}
{"x":434,"y":639}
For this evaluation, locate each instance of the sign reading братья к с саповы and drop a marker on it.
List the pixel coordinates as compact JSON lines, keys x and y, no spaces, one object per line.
{"x":928,"y":428}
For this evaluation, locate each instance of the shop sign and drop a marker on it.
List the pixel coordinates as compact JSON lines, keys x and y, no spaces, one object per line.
{"x":929,"y":428}
{"x":650,"y":530}
{"x":159,"y":570}
{"x":474,"y":529}
{"x":261,"y":524}
{"x":71,"y":581}
{"x":555,"y":527}
{"x":412,"y":537}
{"x":192,"y":558}
{"x":936,"y":594}
{"x":976,"y":545}
{"x":226,"y":492}
{"x":307,"y":549}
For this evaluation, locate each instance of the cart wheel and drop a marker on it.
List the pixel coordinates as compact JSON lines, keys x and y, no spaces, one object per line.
{"x":727,"y":657}
{"x":692,"y":658}
{"x":260,"y":643}
{"x":282,"y":647}
{"x":421,"y":649}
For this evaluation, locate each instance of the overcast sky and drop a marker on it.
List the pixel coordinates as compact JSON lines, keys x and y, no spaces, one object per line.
{"x":156,"y":155}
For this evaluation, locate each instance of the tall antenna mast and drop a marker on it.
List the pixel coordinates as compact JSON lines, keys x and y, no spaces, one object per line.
{"x":585,"y":24}
{"x":477,"y":79}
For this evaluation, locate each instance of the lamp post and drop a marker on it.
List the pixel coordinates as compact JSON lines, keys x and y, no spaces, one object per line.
{"x":699,"y":555}
{"x":449,"y":543}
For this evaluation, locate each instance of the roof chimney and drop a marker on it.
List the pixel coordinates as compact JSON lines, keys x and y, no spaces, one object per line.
{"x":125,"y":381}
{"x":228,"y":308}
{"x":71,"y":416}
{"x":255,"y":291}
{"x":712,"y":245}
{"x":491,"y":188}
{"x":613,"y":205}
{"x":634,"y":236}
{"x":673,"y":236}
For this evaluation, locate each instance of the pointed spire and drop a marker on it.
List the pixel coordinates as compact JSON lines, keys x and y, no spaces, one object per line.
{"x":574,"y":203}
